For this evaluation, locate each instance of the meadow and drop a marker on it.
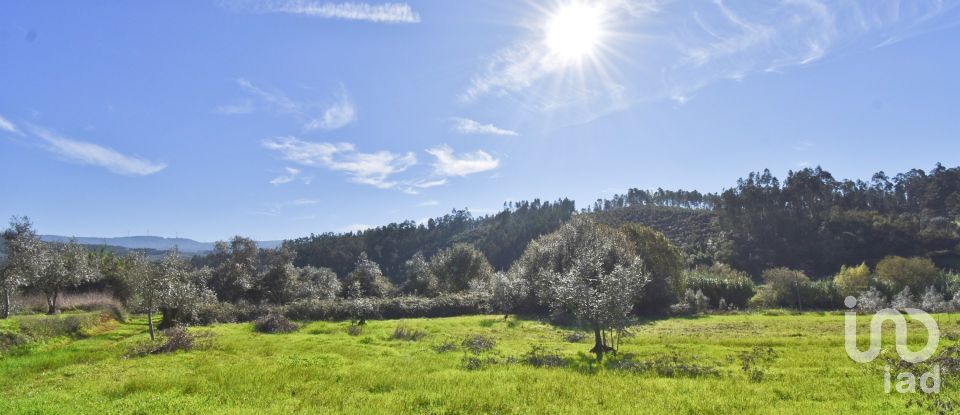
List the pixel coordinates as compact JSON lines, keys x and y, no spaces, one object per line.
{"x":692,"y":365}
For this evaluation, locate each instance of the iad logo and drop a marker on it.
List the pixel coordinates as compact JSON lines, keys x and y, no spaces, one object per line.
{"x":906,"y":381}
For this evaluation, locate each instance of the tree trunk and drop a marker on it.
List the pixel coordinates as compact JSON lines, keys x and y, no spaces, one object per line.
{"x":150,"y":322}
{"x":6,"y":304}
{"x":52,"y":303}
{"x":598,"y":344}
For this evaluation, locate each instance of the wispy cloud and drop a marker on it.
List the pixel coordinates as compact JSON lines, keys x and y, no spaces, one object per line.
{"x":340,"y":114}
{"x":291,"y":175}
{"x":6,"y":125}
{"x":428,"y":203}
{"x":96,"y":155}
{"x":468,"y":126}
{"x":377,"y":13}
{"x":374,"y":169}
{"x":449,"y":163}
{"x":242,"y":107}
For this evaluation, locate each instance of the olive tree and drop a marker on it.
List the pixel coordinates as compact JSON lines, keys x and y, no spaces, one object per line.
{"x":420,"y":277}
{"x":319,"y":283}
{"x":589,"y":270}
{"x":460,"y":267}
{"x":149,"y":282}
{"x":367,"y":276}
{"x":69,"y":266}
{"x":662,"y":263}
{"x":26,"y":258}
{"x":509,"y":291}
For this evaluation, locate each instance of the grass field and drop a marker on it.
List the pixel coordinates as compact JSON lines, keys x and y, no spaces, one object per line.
{"x":323,"y":369}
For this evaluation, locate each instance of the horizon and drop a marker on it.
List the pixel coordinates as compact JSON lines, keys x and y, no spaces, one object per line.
{"x":280,"y":119}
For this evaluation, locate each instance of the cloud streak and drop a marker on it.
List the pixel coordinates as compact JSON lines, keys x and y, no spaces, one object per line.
{"x":374,"y":169}
{"x":96,"y":155}
{"x":375,"y":13}
{"x":340,"y":114}
{"x":291,"y":175}
{"x":8,"y":126}
{"x":468,"y":126}
{"x":337,"y":115}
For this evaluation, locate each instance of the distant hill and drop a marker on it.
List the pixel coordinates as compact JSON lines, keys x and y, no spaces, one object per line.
{"x":158,"y":243}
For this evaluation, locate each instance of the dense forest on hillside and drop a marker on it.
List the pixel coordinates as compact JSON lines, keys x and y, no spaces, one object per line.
{"x":809,"y":221}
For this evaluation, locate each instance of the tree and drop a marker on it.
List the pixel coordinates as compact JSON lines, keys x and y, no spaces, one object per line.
{"x":26,"y":258}
{"x":366,"y":274}
{"x":235,"y":269}
{"x":184,"y":290}
{"x":321,"y":283}
{"x":853,"y":280}
{"x":787,"y":285}
{"x":280,"y":282}
{"x":589,"y":270}
{"x":662,"y":263}
{"x":148,"y":282}
{"x":460,"y":266}
{"x":69,"y":266}
{"x":509,"y":291}
{"x":420,"y":277}
{"x":916,"y":273}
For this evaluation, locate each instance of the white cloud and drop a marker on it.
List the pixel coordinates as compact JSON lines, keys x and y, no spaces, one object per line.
{"x":340,"y":114}
{"x":89,"y":153}
{"x":450,"y":164}
{"x":291,"y":175}
{"x":377,"y":13}
{"x":428,"y":203}
{"x":373,"y":169}
{"x":6,"y":125}
{"x":274,"y":100}
{"x":468,"y":126}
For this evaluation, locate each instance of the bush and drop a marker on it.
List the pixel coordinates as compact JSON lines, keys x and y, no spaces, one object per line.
{"x":172,"y":340}
{"x":821,"y":295}
{"x":720,"y":281}
{"x":445,"y":346}
{"x":852,"y":280}
{"x":539,"y":356}
{"x":574,"y":337}
{"x":448,"y":305}
{"x":672,"y":365}
{"x":916,"y":273}
{"x":662,"y":262}
{"x":403,"y":333}
{"x":274,"y":323}
{"x":478,"y":344}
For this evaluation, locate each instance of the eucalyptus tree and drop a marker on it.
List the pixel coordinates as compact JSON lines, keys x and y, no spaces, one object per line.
{"x":590,"y":271}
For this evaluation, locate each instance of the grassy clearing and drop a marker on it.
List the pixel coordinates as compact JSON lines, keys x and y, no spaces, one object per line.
{"x":323,"y":369}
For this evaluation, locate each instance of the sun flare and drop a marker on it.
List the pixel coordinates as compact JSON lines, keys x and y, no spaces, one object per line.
{"x":574,"y":31}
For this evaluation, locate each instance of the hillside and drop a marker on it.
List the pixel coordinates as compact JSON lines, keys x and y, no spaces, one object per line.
{"x":158,"y":243}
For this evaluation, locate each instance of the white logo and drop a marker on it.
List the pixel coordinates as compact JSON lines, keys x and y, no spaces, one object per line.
{"x":907,"y":379}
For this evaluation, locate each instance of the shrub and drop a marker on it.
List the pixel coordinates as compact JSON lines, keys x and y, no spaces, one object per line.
{"x":871,"y":301}
{"x":720,"y":281}
{"x":172,"y":340}
{"x":754,"y":363}
{"x":539,"y":356}
{"x":445,"y":346}
{"x":697,"y":303}
{"x":662,"y":263}
{"x":448,"y":305}
{"x":459,"y":266}
{"x":916,"y":273}
{"x":786,"y":284}
{"x":479,"y":343}
{"x":852,"y":280}
{"x":903,"y":299}
{"x":933,"y":302}
{"x":672,"y":365}
{"x":274,"y":323}
{"x":822,"y":295}
{"x":574,"y":337}
{"x":404,"y":333}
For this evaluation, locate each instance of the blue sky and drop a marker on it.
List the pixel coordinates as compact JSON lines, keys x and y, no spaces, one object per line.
{"x":275,"y":119}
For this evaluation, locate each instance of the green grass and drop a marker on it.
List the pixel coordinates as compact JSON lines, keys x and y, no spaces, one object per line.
{"x":322,"y":369}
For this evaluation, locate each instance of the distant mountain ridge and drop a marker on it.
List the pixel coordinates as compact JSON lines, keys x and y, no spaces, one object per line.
{"x":149,"y":242}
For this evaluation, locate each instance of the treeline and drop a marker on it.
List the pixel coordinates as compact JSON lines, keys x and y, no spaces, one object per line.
{"x":501,"y":237}
{"x":813,"y":222}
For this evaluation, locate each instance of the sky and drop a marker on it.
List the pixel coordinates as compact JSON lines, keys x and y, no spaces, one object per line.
{"x":277,"y":119}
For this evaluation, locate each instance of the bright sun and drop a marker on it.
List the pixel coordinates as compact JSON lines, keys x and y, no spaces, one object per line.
{"x":574,"y":31}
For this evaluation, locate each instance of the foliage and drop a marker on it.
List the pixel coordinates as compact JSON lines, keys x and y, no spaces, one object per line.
{"x":274,"y":323}
{"x":479,"y":344}
{"x":235,"y":266}
{"x":871,"y":301}
{"x":420,"y":277}
{"x":459,"y":267}
{"x":786,"y":284}
{"x":853,"y":280}
{"x":696,"y":302}
{"x":662,"y":264}
{"x":721,"y":282}
{"x":367,"y":279}
{"x":318,"y":283}
{"x":754,"y":363}
{"x":540,"y":356}
{"x":918,"y":274}
{"x":171,"y":340}
{"x":903,"y":299}
{"x":509,"y":292}
{"x":933,"y":302}
{"x":672,"y":365}
{"x":589,"y":270}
